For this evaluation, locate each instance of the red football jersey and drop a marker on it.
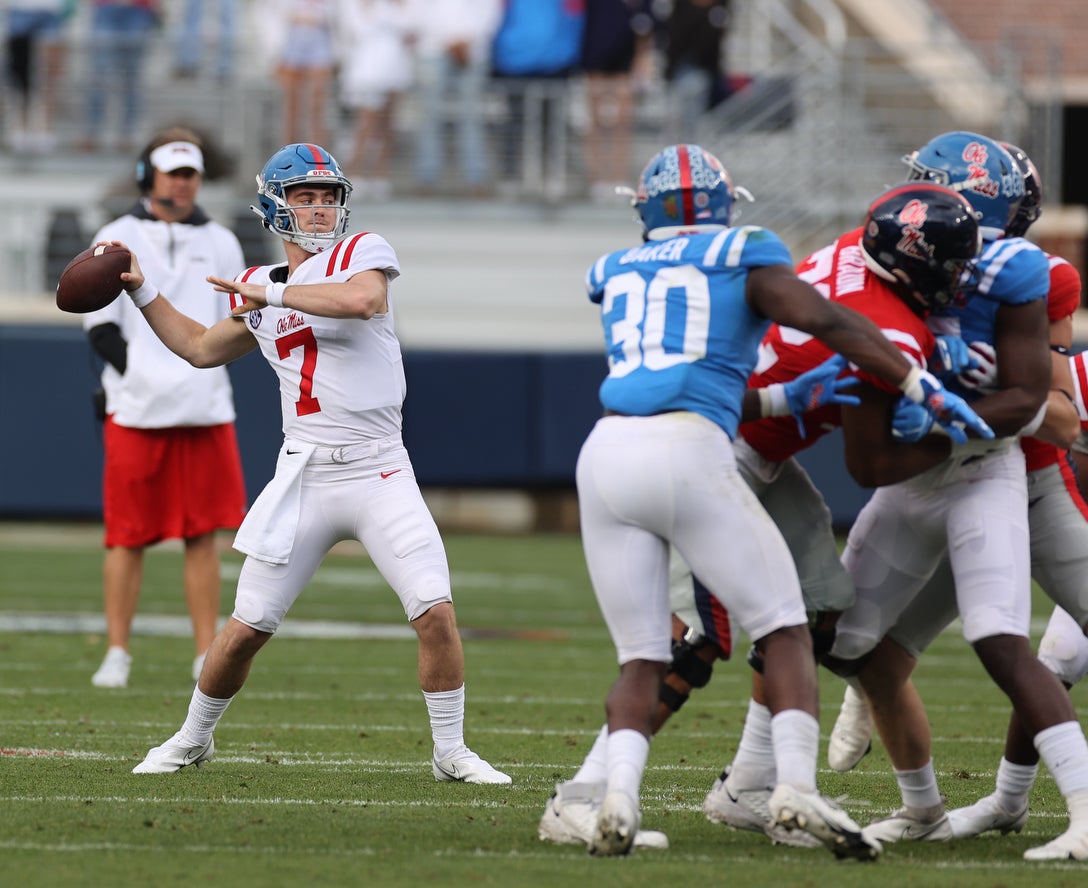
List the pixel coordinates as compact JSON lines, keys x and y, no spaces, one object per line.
{"x":839,"y":272}
{"x":1062,"y":300}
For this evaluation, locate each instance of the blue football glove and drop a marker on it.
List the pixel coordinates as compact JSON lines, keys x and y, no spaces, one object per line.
{"x":819,"y":387}
{"x":953,"y":355}
{"x":910,"y":421}
{"x":953,"y":413}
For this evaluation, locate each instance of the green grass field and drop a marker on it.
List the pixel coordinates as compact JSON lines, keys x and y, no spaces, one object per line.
{"x":322,"y":775}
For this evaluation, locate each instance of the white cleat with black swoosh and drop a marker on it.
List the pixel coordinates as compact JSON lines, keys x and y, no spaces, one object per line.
{"x":912,"y":825}
{"x":175,"y":754}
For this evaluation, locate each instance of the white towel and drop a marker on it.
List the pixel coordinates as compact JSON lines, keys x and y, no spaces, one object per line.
{"x":268,"y":531}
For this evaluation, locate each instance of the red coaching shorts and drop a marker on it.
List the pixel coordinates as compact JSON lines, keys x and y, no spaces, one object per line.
{"x":177,"y":483}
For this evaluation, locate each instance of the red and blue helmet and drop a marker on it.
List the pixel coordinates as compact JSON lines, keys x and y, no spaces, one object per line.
{"x":682,"y":188}
{"x":300,"y":164}
{"x":980,"y":169}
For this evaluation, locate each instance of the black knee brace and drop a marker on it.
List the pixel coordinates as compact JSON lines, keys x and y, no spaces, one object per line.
{"x":686,"y":661}
{"x":687,"y":665}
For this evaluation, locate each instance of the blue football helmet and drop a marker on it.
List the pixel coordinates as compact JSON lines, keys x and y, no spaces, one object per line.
{"x":923,"y":238}
{"x":683,"y":188}
{"x":1031,"y":207}
{"x":301,"y":164}
{"x":978,"y":167}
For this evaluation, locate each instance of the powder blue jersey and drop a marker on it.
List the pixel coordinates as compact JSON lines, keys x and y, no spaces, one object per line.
{"x":1010,"y":271}
{"x":679,"y":332}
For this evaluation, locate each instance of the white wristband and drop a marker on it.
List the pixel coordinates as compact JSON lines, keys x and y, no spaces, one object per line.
{"x":911,"y":385}
{"x":772,"y":400}
{"x":273,"y":295}
{"x":145,"y":295}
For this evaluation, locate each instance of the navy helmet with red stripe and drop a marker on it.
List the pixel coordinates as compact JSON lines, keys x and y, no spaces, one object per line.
{"x":683,"y":189}
{"x":301,"y":164}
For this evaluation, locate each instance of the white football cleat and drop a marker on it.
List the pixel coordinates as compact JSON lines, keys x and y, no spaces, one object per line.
{"x":794,"y":808}
{"x":985,"y":815}
{"x":174,"y":755}
{"x":1070,"y":845}
{"x":852,"y":735}
{"x":571,"y":815}
{"x":748,"y":809}
{"x":912,"y":825}
{"x":616,"y":826}
{"x":113,"y":673}
{"x":465,"y":766}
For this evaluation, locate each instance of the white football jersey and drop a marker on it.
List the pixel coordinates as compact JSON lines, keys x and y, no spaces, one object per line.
{"x":341,"y":379}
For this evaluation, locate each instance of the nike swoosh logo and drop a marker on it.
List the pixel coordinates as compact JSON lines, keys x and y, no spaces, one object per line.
{"x":192,"y":755}
{"x":389,"y":474}
{"x":919,"y":832}
{"x":293,"y":452}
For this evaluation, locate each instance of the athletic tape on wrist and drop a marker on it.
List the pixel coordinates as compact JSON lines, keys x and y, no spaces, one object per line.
{"x":773,"y":401}
{"x":145,"y":295}
{"x":911,"y":385}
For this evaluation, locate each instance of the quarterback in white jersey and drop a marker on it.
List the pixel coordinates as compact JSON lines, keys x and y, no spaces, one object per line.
{"x":324,"y":321}
{"x":683,"y":316}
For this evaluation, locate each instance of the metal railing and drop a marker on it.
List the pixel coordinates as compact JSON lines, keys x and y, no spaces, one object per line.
{"x":819,"y":128}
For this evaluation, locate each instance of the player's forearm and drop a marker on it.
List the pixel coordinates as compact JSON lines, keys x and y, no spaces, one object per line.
{"x":189,"y":339}
{"x":860,"y":340}
{"x":338,"y":300}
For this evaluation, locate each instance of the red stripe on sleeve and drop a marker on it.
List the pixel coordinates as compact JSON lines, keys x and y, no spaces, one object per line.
{"x":233,"y":299}
{"x":1076,"y":364}
{"x":349,"y":249}
{"x":331,"y":267}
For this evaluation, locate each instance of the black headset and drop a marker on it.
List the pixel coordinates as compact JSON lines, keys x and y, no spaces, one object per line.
{"x":145,"y":172}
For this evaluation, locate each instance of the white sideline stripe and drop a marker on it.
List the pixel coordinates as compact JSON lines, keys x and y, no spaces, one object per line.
{"x":180,"y":627}
{"x":575,"y":857}
{"x":506,"y":803}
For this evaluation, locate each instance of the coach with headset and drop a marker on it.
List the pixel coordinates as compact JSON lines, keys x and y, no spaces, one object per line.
{"x":172,"y":466}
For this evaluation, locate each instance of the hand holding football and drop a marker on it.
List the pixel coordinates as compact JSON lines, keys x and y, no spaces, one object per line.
{"x":92,"y":280}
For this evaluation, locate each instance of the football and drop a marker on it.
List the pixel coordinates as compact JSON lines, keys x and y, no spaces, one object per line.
{"x":92,"y":280}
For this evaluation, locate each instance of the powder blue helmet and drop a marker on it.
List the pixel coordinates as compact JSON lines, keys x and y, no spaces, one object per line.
{"x":683,"y":187}
{"x":980,"y":169}
{"x":301,"y":164}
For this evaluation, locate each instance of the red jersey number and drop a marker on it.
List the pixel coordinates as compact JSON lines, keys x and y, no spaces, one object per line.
{"x":304,"y":339}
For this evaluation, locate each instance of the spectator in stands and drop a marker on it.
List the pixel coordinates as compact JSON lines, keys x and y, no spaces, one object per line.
{"x":172,"y":466}
{"x":192,"y":38}
{"x":119,"y":39}
{"x":300,"y":35}
{"x":376,"y":66}
{"x":537,"y":48}
{"x":35,"y":55}
{"x":454,"y":41}
{"x":616,"y":31}
{"x":695,"y":33}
